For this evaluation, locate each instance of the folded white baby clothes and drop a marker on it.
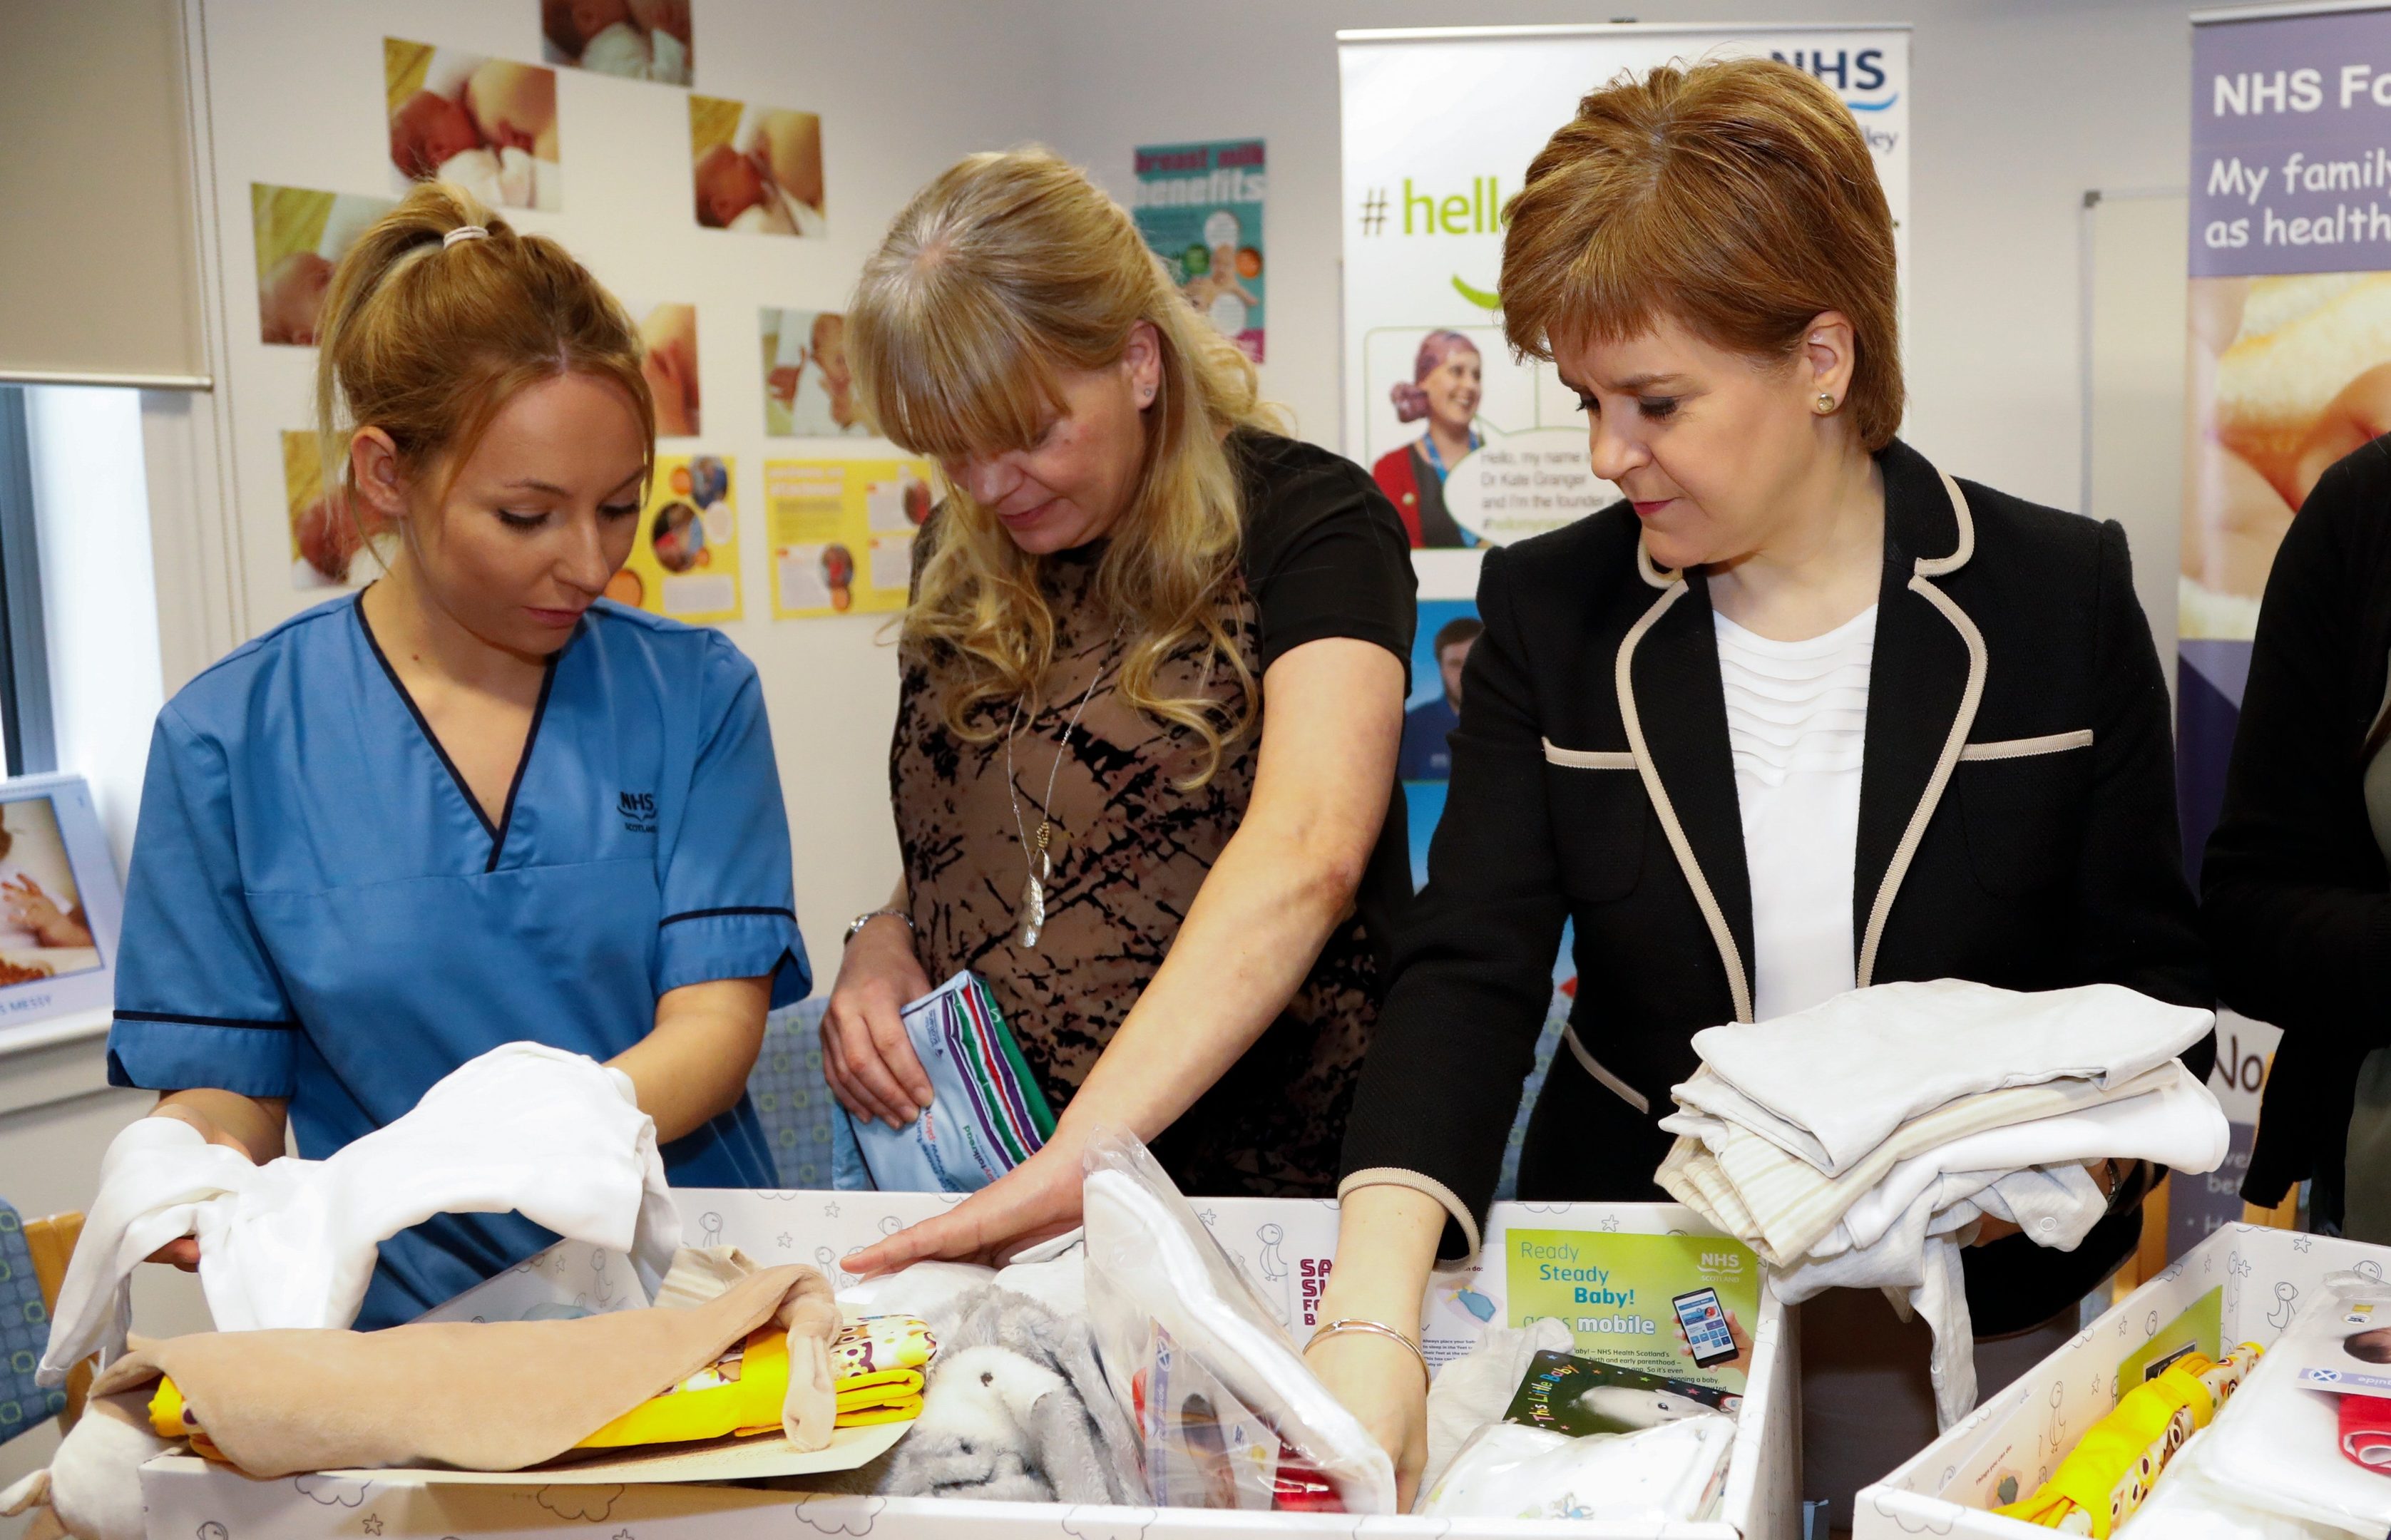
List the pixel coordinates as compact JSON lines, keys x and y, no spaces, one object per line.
{"x":1859,"y":1143}
{"x":1663,"y":1475}
{"x":1793,"y":1206}
{"x":556,"y":1137}
{"x":2178,"y":1124}
{"x":1834,"y":1081}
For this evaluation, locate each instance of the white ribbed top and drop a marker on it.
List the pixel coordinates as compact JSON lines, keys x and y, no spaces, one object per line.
{"x":1797,"y":724}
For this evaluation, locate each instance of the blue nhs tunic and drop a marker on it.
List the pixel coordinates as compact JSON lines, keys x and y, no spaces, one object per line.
{"x":319,"y":910}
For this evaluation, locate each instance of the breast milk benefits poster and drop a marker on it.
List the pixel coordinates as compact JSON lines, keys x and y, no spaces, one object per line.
{"x":1494,"y":452}
{"x":1200,"y":208}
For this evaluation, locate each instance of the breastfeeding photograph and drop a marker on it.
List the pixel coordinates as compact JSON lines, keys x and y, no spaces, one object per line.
{"x":1668,"y":857}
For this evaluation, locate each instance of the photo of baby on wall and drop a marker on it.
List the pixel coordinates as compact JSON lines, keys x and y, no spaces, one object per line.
{"x":328,"y":532}
{"x":2288,"y":375}
{"x":301,"y":236}
{"x":668,"y":357}
{"x":487,"y":125}
{"x":808,"y":390}
{"x":44,"y":932}
{"x":756,"y":169}
{"x":634,"y":39}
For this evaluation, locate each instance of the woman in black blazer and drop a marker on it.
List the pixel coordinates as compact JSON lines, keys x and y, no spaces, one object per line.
{"x":2297,"y":888}
{"x":1707,"y":258}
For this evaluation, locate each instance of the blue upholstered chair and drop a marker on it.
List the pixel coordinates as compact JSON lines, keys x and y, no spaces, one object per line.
{"x":24,"y":1332}
{"x":791,"y":1095}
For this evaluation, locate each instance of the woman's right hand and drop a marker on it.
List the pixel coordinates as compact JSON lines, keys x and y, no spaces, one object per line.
{"x":1380,"y":1383}
{"x":866,"y":1055}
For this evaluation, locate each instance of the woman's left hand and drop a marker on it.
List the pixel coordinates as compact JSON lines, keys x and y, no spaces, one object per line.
{"x":1035,"y":1201}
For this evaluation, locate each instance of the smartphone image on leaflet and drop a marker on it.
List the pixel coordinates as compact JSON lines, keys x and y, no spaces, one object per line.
{"x":1703,"y":1320}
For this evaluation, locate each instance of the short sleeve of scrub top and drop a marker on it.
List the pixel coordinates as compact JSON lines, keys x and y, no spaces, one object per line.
{"x":319,"y":910}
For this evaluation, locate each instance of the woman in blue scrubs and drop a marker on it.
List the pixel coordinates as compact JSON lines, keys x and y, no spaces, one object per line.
{"x":477,"y":803}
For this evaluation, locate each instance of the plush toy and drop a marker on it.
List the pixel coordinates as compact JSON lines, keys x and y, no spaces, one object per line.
{"x":94,"y":1484}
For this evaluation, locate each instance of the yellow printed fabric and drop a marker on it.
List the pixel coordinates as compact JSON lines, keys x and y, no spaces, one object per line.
{"x":876,"y":1368}
{"x":886,"y":1395}
{"x":877,"y":1342}
{"x":740,"y":1392}
{"x":2111,"y":1471}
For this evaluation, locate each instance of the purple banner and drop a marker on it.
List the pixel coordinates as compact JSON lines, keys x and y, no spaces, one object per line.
{"x":2291,"y":145}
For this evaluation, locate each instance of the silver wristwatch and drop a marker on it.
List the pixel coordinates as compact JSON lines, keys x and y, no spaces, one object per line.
{"x":855,"y":926}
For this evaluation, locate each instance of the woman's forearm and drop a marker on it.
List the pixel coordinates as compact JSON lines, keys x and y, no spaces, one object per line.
{"x":1386,"y":1246}
{"x":694,"y":1066}
{"x":1257,"y":925}
{"x":255,"y":1124}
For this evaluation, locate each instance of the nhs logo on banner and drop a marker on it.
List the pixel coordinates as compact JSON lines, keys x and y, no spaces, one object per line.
{"x":2290,"y":118}
{"x":1847,"y":70}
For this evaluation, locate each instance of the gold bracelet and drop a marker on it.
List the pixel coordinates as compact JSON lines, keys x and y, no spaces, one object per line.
{"x":1354,"y":1322}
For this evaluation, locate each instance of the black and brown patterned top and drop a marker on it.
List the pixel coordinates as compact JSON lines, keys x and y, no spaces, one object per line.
{"x":1323,"y":556}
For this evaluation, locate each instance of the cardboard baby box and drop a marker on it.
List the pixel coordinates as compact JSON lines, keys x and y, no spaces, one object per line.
{"x":2243,"y":1284}
{"x":1613,"y":1271}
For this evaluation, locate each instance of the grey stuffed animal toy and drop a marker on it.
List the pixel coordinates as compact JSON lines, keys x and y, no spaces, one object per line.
{"x":1016,"y":1408}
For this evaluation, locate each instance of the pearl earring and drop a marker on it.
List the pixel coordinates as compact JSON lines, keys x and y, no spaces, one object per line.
{"x":1826,"y":402}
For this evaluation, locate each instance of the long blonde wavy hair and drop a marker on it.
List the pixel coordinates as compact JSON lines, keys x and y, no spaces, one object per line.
{"x":1008,"y":270}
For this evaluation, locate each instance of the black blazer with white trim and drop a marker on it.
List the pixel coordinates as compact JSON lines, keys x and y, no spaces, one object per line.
{"x":2017,"y":827}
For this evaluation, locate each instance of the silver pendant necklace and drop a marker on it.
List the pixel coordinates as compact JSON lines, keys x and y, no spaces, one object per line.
{"x":1036,"y":850}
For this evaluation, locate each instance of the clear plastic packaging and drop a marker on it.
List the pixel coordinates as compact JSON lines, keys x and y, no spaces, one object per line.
{"x":1227,"y":1414}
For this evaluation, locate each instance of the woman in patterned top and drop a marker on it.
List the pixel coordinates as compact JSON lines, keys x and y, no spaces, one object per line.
{"x":1153,"y":686}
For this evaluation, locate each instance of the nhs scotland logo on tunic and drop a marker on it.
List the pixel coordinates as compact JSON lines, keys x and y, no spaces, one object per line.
{"x":638,"y":811}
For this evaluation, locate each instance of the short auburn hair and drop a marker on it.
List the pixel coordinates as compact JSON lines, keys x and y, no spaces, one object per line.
{"x":1736,"y":197}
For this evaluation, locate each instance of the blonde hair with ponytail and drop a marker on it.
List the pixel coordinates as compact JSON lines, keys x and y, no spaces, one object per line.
{"x":1006,"y":271}
{"x":427,"y":339}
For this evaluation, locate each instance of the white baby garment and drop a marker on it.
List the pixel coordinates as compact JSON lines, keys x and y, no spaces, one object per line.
{"x":556,"y":1137}
{"x":1832,"y":1082}
{"x":1662,"y":1475}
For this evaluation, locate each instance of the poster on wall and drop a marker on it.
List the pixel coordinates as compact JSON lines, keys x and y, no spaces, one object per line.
{"x":328,"y":537}
{"x":2289,"y":368}
{"x":808,"y":390}
{"x":685,"y":563}
{"x":647,"y":40}
{"x":668,"y":359}
{"x":842,"y":534}
{"x":301,"y":235}
{"x":1200,"y":207}
{"x":758,"y":170}
{"x":487,"y":125}
{"x":1473,"y":448}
